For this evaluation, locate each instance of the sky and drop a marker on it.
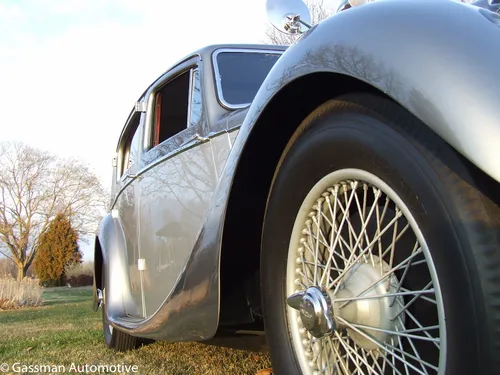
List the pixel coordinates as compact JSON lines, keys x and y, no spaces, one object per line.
{"x":71,"y":70}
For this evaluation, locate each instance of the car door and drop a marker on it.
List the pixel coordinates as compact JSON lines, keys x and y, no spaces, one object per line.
{"x":125,"y":206}
{"x":177,"y":181}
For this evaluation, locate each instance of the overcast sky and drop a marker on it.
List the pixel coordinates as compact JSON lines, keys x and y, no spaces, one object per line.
{"x":71,"y":70}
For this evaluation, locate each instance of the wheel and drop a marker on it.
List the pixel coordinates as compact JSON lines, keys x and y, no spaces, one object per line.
{"x":380,"y":249}
{"x":114,"y":338}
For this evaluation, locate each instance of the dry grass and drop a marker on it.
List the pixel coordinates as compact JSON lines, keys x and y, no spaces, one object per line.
{"x":65,"y":331}
{"x":86,"y":268}
{"x":15,"y":294}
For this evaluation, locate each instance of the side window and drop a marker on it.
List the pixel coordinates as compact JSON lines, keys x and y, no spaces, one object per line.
{"x":130,"y":147}
{"x":195,"y":101}
{"x":177,"y":105}
{"x":171,"y":108}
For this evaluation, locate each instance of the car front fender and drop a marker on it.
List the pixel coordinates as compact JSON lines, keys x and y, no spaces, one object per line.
{"x":438,"y":59}
{"x":435,"y":58}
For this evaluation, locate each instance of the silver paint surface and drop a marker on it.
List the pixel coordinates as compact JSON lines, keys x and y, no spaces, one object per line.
{"x":174,"y":199}
{"x":436,"y":58}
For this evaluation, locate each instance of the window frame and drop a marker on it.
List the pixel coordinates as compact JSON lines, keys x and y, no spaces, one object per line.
{"x":217,"y":79}
{"x":125,"y":142}
{"x":191,"y":94}
{"x":186,"y":66}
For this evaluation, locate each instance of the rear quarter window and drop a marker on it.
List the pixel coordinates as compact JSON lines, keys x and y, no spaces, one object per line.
{"x":240,"y":75}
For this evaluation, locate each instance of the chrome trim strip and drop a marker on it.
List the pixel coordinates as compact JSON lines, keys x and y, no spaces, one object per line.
{"x":233,"y":129}
{"x":216,"y":134}
{"x":220,"y":96}
{"x":188,"y":145}
{"x":190,"y":95}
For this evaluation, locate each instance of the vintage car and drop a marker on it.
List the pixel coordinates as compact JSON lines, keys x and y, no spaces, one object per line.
{"x":338,"y":198}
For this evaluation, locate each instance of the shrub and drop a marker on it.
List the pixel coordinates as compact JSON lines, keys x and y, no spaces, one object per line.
{"x":15,"y":294}
{"x":57,"y":248}
{"x":79,"y":274}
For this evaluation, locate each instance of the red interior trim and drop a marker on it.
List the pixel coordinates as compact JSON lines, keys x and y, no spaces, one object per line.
{"x":156,"y":139}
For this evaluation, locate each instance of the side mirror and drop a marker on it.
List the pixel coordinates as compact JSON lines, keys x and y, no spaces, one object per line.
{"x":289,"y":16}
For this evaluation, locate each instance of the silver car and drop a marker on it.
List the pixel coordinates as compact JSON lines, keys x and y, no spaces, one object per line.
{"x":336,"y":201}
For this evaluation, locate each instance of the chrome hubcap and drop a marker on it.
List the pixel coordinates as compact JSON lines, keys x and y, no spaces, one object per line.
{"x":315,"y":309}
{"x":319,"y":315}
{"x":362,"y":290}
{"x":100,"y":298}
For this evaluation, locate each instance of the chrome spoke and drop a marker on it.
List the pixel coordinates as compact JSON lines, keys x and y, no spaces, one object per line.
{"x":415,"y":351}
{"x":355,"y":254}
{"x":433,"y":301}
{"x":408,"y":293}
{"x":348,"y":349}
{"x":390,"y":349}
{"x":397,"y":333}
{"x":358,"y":258}
{"x":417,"y":295}
{"x":344,"y":218}
{"x":403,"y":277}
{"x":416,"y":321}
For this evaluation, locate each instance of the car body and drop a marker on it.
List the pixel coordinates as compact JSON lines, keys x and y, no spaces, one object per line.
{"x":189,"y":160}
{"x":181,"y":243}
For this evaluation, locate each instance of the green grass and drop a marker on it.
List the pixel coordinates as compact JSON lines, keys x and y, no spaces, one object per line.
{"x":65,"y":330}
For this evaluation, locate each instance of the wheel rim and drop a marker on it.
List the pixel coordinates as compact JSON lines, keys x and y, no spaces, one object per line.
{"x":362,"y":290}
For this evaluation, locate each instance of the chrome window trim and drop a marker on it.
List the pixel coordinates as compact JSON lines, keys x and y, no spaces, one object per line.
{"x":191,"y":91}
{"x":190,"y":95}
{"x":121,"y":154}
{"x":174,"y":72}
{"x":220,"y":96}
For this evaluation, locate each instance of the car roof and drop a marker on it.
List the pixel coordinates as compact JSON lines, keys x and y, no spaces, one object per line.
{"x":205,"y":53}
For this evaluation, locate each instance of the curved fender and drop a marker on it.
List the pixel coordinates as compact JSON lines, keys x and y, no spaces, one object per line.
{"x":115,"y":262}
{"x":438,"y":59}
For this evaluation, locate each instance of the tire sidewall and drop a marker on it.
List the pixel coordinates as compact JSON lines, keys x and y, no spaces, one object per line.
{"x":350,"y":139}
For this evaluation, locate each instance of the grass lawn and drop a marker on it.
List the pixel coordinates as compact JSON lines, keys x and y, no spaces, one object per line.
{"x":66,"y":330}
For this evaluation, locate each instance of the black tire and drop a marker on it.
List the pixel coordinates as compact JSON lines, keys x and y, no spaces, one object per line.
{"x":114,"y":338}
{"x":454,"y":204}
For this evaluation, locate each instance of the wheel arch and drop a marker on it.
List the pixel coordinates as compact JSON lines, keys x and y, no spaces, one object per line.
{"x":240,"y":254}
{"x":328,"y":62}
{"x":98,"y":262}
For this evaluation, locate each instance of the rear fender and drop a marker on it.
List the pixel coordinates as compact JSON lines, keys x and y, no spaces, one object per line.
{"x":111,"y":251}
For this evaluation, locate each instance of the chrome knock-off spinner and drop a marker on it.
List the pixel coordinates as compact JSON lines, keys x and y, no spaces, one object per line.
{"x":365,"y":297}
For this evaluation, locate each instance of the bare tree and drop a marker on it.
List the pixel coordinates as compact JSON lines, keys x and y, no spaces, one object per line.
{"x":34,"y":187}
{"x":7,"y":268}
{"x":318,"y":13}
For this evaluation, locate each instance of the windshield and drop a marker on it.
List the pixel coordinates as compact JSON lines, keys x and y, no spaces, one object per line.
{"x":241,"y":73}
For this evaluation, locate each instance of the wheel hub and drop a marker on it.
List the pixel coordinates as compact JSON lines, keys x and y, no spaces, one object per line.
{"x":316,"y":311}
{"x":364,"y":298}
{"x":100,"y":298}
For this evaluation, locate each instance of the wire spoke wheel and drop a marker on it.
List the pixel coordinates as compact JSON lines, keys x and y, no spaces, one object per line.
{"x":362,"y":290}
